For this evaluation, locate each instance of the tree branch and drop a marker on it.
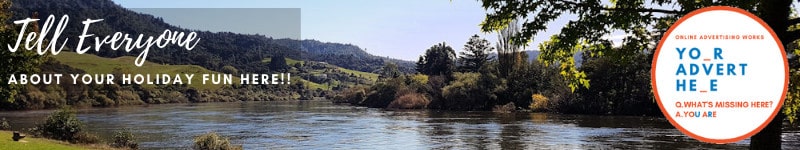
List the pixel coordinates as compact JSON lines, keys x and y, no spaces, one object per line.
{"x":792,"y":36}
{"x":638,"y":10}
{"x":794,"y":21}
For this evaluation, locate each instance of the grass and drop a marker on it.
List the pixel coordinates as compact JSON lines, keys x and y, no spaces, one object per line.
{"x":6,"y":143}
{"x":289,"y":61}
{"x":367,"y":75}
{"x":314,"y":85}
{"x":93,"y":64}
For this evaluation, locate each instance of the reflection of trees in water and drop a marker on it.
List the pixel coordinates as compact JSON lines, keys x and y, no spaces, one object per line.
{"x":593,"y":121}
{"x":475,"y":130}
{"x":320,"y":123}
{"x":438,"y":130}
{"x":634,"y":132}
{"x":649,"y":138}
{"x":480,"y":139}
{"x":511,"y":131}
{"x":486,"y":130}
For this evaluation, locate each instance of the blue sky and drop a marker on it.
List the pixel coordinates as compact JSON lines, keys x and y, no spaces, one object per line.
{"x":398,"y":29}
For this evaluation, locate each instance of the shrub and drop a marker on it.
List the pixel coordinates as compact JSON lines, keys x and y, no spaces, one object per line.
{"x":539,"y":102}
{"x":61,"y":125}
{"x":230,"y":69}
{"x":466,"y":92}
{"x":507,"y":108}
{"x":127,"y":97}
{"x":86,"y":138}
{"x":174,"y":97}
{"x":124,"y":139}
{"x":213,"y":141}
{"x":411,"y":100}
{"x":380,"y":95}
{"x":4,"y":124}
{"x":418,"y":79}
{"x":353,"y":95}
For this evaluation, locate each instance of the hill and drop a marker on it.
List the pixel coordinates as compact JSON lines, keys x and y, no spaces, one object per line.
{"x":92,"y":64}
{"x":347,"y":56}
{"x":321,"y":75}
{"x":218,"y":49}
{"x":534,"y":54}
{"x":98,"y":65}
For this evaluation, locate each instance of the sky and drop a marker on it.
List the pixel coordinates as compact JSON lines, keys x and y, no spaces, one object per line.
{"x":397,"y":29}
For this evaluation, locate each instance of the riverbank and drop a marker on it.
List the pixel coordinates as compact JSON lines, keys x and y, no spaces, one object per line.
{"x":41,"y":143}
{"x":321,"y":125}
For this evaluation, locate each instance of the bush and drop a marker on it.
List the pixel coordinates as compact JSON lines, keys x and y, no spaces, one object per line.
{"x":380,"y":95}
{"x":539,"y":102}
{"x":467,"y":92}
{"x":507,"y":108}
{"x":61,"y":125}
{"x":411,"y":100}
{"x":618,"y":86}
{"x":124,"y":139}
{"x":230,"y":69}
{"x":212,"y":141}
{"x":353,"y":95}
{"x":4,"y":124}
{"x":127,"y":97}
{"x":418,"y":80}
{"x":86,"y":138}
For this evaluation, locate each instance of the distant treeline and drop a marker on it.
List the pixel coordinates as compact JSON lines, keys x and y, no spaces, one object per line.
{"x":476,"y":80}
{"x":216,"y":49}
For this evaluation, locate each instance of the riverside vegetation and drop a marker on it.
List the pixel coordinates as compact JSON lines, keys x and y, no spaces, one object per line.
{"x":475,"y":80}
{"x":611,"y":80}
{"x":63,"y":130}
{"x":317,"y":68}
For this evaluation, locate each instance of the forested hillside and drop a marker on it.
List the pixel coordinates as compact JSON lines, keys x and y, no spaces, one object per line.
{"x":317,"y":67}
{"x":217,"y":49}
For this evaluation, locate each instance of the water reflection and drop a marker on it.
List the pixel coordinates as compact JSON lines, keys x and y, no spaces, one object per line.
{"x":321,"y":125}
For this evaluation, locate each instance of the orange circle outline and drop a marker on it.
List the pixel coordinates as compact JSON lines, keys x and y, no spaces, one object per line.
{"x":669,"y":116}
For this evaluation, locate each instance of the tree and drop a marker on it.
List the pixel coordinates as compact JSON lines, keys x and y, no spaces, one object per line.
{"x":475,"y":54}
{"x":620,"y":87}
{"x":278,"y":63}
{"x":643,"y":22}
{"x":509,"y":50}
{"x":19,"y":62}
{"x":438,"y":60}
{"x":230,"y":69}
{"x":389,"y":71}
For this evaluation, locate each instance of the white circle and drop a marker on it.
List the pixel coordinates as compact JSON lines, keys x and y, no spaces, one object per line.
{"x":762,"y":78}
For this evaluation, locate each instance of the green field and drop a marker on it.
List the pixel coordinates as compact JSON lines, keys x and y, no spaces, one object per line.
{"x":6,"y":143}
{"x":313,"y":85}
{"x":94,"y":64}
{"x":289,"y":61}
{"x":370,"y":76}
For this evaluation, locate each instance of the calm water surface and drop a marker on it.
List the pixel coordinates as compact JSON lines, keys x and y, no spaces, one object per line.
{"x":320,"y":124}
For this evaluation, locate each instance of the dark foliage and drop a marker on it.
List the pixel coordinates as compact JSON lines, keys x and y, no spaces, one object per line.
{"x":437,"y":60}
{"x":124,"y":139}
{"x":64,"y":125}
{"x":476,"y":54}
{"x":4,"y":125}
{"x":278,"y":63}
{"x":217,"y":49}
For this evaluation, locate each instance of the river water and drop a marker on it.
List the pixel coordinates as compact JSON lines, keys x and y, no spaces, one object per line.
{"x":322,"y":125}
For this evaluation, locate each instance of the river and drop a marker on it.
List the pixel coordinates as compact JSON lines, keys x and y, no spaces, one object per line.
{"x":322,"y":125}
